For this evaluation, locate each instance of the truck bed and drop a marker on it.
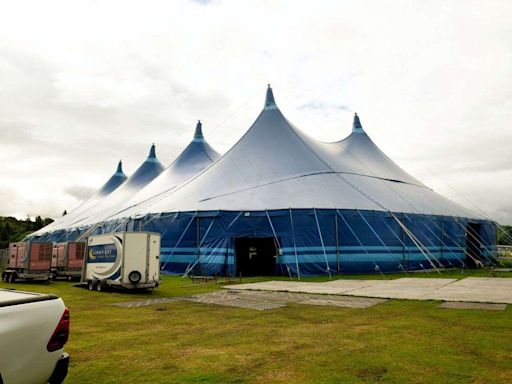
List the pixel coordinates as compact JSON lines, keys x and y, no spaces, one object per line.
{"x":10,"y":297}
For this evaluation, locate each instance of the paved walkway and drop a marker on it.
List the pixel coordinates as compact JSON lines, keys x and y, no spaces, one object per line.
{"x":470,"y":289}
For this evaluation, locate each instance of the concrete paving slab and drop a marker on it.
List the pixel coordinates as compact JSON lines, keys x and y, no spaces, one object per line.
{"x":351,"y":284}
{"x":406,"y":288}
{"x":476,"y":289}
{"x":468,"y":305}
{"x":419,"y":282}
{"x":337,"y":287}
{"x":471,"y":289}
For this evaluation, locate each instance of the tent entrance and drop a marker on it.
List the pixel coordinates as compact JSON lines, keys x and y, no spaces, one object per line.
{"x":255,"y":256}
{"x":473,"y":242}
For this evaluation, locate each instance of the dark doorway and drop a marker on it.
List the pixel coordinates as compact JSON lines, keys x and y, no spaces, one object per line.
{"x":473,"y":244}
{"x":255,"y":256}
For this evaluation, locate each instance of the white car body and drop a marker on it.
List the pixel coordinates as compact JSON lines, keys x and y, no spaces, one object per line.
{"x":27,"y":323}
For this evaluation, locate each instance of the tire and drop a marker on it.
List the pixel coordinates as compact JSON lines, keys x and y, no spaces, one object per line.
{"x":90,"y":285}
{"x":99,"y":286}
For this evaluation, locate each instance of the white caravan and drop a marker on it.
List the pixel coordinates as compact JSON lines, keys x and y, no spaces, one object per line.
{"x":128,"y":260}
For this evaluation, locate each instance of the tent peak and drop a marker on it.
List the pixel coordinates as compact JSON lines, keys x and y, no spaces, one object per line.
{"x":270,"y":102}
{"x":356,"y":125}
{"x":198,"y":134}
{"x":120,"y":168}
{"x":152,"y":152}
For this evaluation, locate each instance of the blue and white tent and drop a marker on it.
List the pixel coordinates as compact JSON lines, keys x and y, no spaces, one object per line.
{"x":280,"y":202}
{"x":149,"y":180}
{"x":99,"y":208}
{"x":197,"y":156}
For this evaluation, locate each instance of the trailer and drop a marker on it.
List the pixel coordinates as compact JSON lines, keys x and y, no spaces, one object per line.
{"x":128,"y":260}
{"x":28,"y":261}
{"x":67,"y":260}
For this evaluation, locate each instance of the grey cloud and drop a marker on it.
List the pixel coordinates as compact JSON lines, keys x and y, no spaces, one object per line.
{"x":204,"y":2}
{"x":73,"y":103}
{"x":80,"y":192}
{"x":319,"y":105}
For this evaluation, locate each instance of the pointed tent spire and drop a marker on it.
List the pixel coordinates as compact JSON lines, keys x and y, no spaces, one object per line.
{"x":152,"y":152}
{"x":198,"y":134}
{"x":270,"y":102}
{"x":356,"y":125}
{"x":120,"y":168}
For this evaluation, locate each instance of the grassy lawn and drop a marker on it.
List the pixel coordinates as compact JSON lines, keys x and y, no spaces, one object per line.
{"x":182,"y":342}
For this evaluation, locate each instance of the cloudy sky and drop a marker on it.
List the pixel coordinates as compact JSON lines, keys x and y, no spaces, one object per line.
{"x":86,"y":83}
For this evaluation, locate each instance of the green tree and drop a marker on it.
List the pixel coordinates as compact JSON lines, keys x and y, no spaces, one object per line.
{"x":5,"y":235}
{"x":505,"y":235}
{"x":38,"y":224}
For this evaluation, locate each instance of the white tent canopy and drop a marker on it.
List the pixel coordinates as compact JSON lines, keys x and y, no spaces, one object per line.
{"x":194,"y":158}
{"x":276,"y":166}
{"x":148,"y":181}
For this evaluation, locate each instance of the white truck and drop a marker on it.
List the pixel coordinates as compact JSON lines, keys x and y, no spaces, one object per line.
{"x":33,"y":330}
{"x":129,"y":260}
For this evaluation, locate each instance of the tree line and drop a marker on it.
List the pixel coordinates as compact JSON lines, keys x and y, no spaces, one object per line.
{"x":505,"y":235}
{"x":12,"y":229}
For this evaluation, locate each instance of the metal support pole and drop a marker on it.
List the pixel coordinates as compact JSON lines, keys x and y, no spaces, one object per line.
{"x":198,"y":245}
{"x":322,"y":242}
{"x":337,"y":244}
{"x":295,"y":245}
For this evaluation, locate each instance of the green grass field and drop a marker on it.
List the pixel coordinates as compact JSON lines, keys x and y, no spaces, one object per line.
{"x":183,"y":342}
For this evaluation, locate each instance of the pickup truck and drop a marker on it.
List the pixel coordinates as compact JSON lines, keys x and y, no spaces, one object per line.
{"x":33,"y":330}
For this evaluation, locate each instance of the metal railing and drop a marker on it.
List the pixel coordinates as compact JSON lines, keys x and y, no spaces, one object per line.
{"x":504,"y":251}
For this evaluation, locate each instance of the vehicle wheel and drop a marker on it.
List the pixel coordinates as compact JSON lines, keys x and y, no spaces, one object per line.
{"x":99,"y":286}
{"x":90,"y":285}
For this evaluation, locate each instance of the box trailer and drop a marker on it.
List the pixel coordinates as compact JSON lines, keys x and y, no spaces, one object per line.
{"x":129,"y":260}
{"x":28,"y":261}
{"x":67,"y":260}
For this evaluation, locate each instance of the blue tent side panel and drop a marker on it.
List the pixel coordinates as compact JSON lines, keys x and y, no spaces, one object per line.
{"x":309,"y":241}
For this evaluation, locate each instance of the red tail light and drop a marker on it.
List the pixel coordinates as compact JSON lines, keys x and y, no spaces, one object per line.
{"x":61,"y":333}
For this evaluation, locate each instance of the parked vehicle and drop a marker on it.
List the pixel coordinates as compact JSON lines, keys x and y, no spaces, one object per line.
{"x":33,"y":331}
{"x":67,"y":260}
{"x":28,"y":261}
{"x":129,"y":260}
